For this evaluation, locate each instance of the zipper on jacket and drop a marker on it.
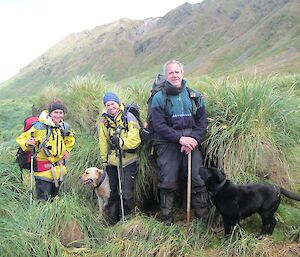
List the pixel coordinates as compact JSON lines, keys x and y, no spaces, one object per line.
{"x":56,"y":143}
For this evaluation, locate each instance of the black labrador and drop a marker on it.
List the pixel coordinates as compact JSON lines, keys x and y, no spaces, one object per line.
{"x":236,"y":202}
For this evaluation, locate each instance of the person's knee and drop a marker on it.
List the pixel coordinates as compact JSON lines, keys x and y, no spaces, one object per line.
{"x":128,"y":194}
{"x":43,"y":190}
{"x":168,"y":184}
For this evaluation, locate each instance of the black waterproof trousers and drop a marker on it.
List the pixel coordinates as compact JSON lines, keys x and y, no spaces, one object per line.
{"x":45,"y":189}
{"x":173,"y":166}
{"x":114,"y":204}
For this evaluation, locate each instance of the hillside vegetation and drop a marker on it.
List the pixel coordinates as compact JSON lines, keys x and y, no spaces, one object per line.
{"x":213,"y":37}
{"x":253,"y":134}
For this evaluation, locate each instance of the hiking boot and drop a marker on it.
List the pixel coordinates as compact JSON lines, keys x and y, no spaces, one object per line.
{"x":201,"y":205}
{"x":166,"y":206}
{"x":113,"y":215}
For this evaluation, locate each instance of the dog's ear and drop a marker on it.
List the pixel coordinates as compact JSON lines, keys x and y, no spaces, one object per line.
{"x":99,"y":171}
{"x":222,"y":175}
{"x":84,"y":172}
{"x":219,"y":173}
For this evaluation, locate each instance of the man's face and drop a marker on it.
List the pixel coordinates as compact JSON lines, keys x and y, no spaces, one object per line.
{"x":174,"y":74}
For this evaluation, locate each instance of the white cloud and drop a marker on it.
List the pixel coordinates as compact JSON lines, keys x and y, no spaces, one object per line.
{"x":30,"y":27}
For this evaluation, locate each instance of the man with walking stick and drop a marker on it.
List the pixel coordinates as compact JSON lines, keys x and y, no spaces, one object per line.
{"x":119,"y":139}
{"x":179,"y":115}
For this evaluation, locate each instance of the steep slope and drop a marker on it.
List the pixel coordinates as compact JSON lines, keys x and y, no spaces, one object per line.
{"x":214,"y":37}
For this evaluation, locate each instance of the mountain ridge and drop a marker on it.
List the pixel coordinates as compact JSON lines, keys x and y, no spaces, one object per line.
{"x":211,"y":37}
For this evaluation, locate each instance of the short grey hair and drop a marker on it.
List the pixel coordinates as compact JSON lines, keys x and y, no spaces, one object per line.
{"x":171,"y":62}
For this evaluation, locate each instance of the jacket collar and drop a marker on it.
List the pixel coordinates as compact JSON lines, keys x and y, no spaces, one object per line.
{"x":47,"y":120}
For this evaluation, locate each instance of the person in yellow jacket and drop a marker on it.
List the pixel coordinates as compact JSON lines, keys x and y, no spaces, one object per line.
{"x":119,"y":132}
{"x":52,"y":140}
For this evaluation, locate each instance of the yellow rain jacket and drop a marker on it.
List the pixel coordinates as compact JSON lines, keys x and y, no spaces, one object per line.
{"x":130,"y":138}
{"x":50,"y":156}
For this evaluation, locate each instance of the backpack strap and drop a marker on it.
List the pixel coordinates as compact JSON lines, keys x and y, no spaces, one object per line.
{"x":45,"y":140}
{"x":125,"y":118}
{"x":194,"y":96}
{"x":65,"y":129}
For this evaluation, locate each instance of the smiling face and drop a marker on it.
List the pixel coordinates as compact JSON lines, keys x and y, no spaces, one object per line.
{"x":57,"y":116}
{"x":174,"y":74}
{"x":112,"y":107}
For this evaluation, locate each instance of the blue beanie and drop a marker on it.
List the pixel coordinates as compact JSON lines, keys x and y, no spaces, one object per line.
{"x":110,"y":97}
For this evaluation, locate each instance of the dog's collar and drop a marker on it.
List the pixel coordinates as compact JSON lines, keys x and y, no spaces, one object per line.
{"x":219,"y":187}
{"x":277,"y":189}
{"x":101,"y":179}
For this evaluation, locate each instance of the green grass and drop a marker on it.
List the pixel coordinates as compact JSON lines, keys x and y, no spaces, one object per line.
{"x":253,"y":127}
{"x":253,"y":132}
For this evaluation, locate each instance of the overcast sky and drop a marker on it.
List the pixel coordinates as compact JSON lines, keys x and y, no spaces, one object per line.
{"x":30,"y":27}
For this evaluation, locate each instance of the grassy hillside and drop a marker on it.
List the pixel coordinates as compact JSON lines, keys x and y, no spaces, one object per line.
{"x":253,"y":132}
{"x":214,"y":37}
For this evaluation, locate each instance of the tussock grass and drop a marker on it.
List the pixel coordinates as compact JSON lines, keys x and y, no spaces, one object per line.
{"x":142,"y":236}
{"x":87,"y":147}
{"x":84,"y":101}
{"x":253,"y":133}
{"x":50,"y":93}
{"x":147,"y":177}
{"x":288,"y":82}
{"x":295,"y":233}
{"x":242,"y":244}
{"x":252,"y":127}
{"x":46,"y":228}
{"x":14,"y":194}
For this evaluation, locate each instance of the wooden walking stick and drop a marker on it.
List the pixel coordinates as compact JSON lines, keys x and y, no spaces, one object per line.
{"x":189,"y":182}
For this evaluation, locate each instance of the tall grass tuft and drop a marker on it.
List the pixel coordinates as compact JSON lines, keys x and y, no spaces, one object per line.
{"x":84,"y":100}
{"x":85,"y":153}
{"x":142,"y":236}
{"x":288,"y":82}
{"x":242,"y":244}
{"x":47,"y":228}
{"x":50,"y":93}
{"x":253,"y":125}
{"x":147,"y":178}
{"x":14,"y":194}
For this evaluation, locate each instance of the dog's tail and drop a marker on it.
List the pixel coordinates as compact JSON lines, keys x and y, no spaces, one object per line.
{"x":289,"y":194}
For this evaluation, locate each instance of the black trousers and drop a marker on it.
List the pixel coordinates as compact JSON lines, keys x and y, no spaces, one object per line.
{"x":114,"y":203}
{"x":45,"y":189}
{"x":173,"y":166}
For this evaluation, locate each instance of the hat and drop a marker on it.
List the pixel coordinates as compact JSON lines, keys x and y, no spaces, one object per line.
{"x":110,"y":97}
{"x":56,"y":106}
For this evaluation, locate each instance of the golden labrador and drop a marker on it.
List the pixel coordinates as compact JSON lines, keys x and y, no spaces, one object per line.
{"x":100,"y":181}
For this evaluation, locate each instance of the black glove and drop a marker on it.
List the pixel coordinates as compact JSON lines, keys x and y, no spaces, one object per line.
{"x":115,"y":142}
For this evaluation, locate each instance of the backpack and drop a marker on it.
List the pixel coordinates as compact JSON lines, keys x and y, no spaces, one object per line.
{"x":23,"y":158}
{"x":135,"y":110}
{"x":159,"y":85}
